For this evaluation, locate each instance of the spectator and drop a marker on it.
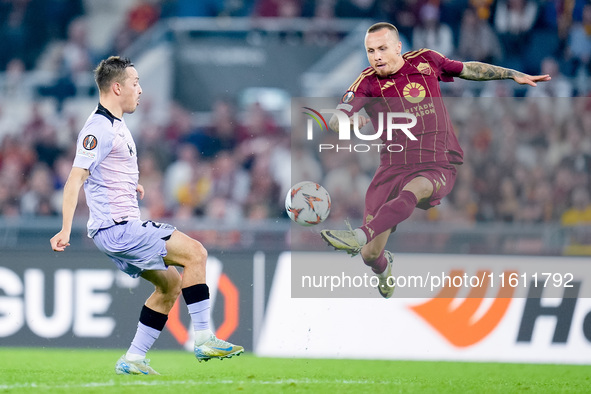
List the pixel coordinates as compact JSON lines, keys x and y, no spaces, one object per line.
{"x":564,"y":182}
{"x":180,"y":125}
{"x":225,"y":124}
{"x":15,"y":84}
{"x":462,"y":208}
{"x":346,"y":185}
{"x":558,"y":147}
{"x":559,"y":86}
{"x":278,"y":8}
{"x":230,"y":182}
{"x":478,"y":41}
{"x":194,"y":194}
{"x":482,"y":8}
{"x":58,"y":14}
{"x":577,"y":222}
{"x":308,"y":168}
{"x":9,"y":206}
{"x":221,"y":134}
{"x":40,"y":133}
{"x":432,"y":33}
{"x":153,"y":143}
{"x":257,"y":123}
{"x":258,"y":211}
{"x":514,"y":20}
{"x":537,"y":206}
{"x":263,"y":189}
{"x":223,"y":211}
{"x":71,"y":62}
{"x":180,"y":172}
{"x":579,"y":156}
{"x":507,"y":208}
{"x":139,"y":18}
{"x":22,"y":31}
{"x":77,"y":56}
{"x":579,"y":211}
{"x":578,"y":51}
{"x":152,"y":178}
{"x":357,"y":9}
{"x":39,"y":200}
{"x":404,"y":14}
{"x":281,"y":167}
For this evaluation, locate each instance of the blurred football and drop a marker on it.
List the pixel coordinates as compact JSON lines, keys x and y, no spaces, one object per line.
{"x":307,"y":203}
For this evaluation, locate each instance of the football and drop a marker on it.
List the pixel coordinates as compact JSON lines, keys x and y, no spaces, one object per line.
{"x":307,"y":203}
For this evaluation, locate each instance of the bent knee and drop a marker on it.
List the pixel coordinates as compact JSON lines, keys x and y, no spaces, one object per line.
{"x":176,"y":288}
{"x":195,"y":254}
{"x":421,"y":187}
{"x":170,"y":290}
{"x":199,"y":251}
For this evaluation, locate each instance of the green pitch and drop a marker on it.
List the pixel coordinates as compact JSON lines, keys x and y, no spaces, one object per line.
{"x":91,"y":371}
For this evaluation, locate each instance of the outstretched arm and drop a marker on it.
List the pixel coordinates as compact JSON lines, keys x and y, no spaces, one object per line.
{"x":477,"y":71}
{"x":76,"y":179}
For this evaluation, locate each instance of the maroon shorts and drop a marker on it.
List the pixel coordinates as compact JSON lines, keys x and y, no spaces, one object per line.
{"x":388,"y":181}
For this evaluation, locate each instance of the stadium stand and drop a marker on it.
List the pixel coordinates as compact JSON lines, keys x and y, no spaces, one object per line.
{"x":223,"y":160}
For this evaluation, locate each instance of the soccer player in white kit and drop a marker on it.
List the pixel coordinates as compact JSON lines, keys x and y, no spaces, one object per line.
{"x":106,"y":164}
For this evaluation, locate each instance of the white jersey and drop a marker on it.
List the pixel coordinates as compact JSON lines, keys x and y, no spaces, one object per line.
{"x":106,"y":148}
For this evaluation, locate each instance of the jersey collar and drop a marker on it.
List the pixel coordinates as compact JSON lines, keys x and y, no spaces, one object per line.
{"x":106,"y":113}
{"x":406,"y":68}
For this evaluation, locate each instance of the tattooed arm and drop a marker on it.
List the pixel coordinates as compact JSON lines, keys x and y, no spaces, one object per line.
{"x":477,"y":71}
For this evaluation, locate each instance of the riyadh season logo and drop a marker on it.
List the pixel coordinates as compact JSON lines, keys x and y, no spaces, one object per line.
{"x":388,"y":122}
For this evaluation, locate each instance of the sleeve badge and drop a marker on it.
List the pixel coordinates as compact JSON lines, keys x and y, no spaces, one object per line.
{"x":348,"y":97}
{"x":89,"y":142}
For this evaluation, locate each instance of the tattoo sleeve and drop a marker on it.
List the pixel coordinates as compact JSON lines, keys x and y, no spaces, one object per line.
{"x":477,"y":71}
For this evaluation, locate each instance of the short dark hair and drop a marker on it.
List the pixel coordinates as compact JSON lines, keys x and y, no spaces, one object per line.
{"x":111,"y":70}
{"x":383,"y":25}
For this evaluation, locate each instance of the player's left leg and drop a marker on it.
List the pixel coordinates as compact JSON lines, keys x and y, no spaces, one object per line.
{"x":419,"y":189}
{"x":190,"y":254}
{"x":380,"y":261}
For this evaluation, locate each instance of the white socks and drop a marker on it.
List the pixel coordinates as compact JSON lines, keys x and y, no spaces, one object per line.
{"x":202,"y":336}
{"x":134,"y":357}
{"x":199,"y":312}
{"x":383,"y":274}
{"x":360,"y":236}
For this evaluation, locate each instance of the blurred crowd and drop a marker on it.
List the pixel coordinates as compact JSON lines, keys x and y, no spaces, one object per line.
{"x":526,"y":161}
{"x":233,"y":168}
{"x":516,"y":33}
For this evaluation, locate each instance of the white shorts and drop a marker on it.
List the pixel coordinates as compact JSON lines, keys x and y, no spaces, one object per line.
{"x":135,"y":246}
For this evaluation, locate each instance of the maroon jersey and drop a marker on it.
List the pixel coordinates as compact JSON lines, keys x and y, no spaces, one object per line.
{"x":413,"y":89}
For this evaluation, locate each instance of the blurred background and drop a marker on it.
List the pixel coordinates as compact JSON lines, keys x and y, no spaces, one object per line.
{"x":213,"y":137}
{"x":213,"y":126}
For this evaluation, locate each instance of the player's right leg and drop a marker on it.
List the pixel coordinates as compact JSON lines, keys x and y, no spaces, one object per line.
{"x":153,"y":317}
{"x":351,"y":241}
{"x":389,"y":214}
{"x":125,"y":366}
{"x":190,"y":254}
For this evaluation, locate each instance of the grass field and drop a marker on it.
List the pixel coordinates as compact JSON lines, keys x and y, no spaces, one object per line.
{"x":91,"y":371}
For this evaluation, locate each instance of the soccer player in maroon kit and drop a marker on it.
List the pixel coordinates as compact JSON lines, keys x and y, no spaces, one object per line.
{"x":423,"y":172}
